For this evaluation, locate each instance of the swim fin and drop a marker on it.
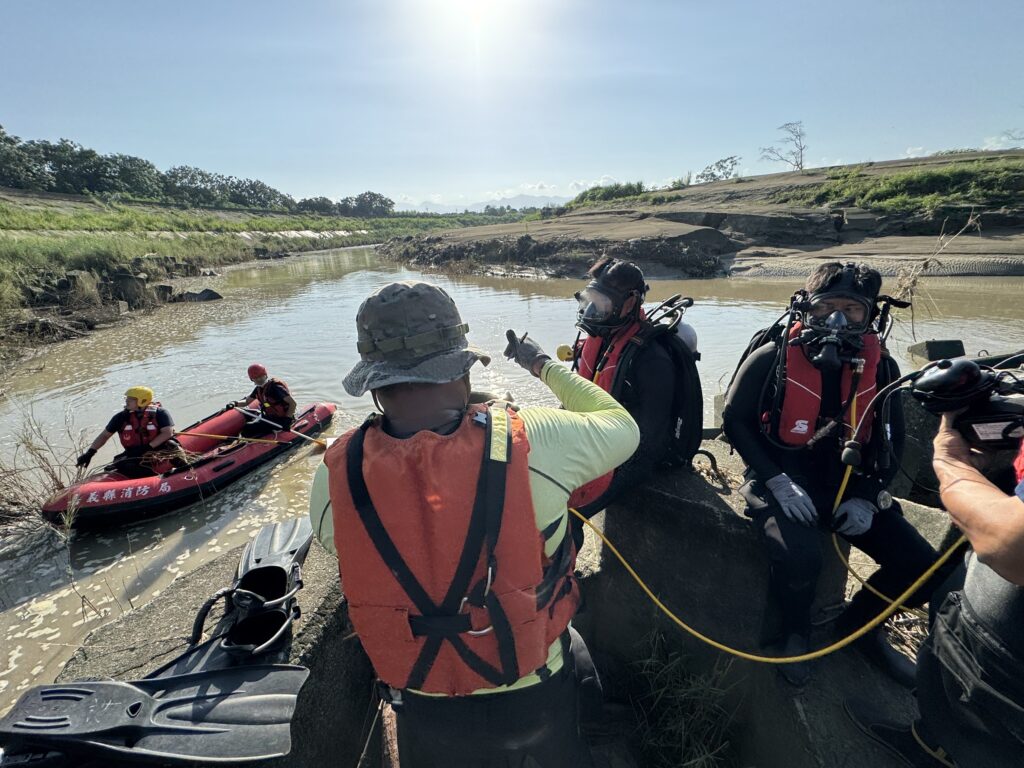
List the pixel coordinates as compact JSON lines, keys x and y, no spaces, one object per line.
{"x":269,"y":576}
{"x":224,"y":716}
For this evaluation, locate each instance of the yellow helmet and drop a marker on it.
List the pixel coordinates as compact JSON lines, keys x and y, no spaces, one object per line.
{"x":144,"y":395}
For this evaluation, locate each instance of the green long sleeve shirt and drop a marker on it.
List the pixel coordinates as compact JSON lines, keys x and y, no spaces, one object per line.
{"x":568,"y":448}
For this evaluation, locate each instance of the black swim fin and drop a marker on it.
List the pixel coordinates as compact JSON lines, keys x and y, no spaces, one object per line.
{"x":269,"y":576}
{"x":225,"y":716}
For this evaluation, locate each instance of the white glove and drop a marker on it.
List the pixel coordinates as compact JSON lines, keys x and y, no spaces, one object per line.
{"x":854,"y":516}
{"x":793,"y":499}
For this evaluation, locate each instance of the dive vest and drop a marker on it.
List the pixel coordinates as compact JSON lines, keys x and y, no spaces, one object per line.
{"x":441,"y":560}
{"x":598,"y":361}
{"x":1018,"y":464}
{"x":269,"y":405}
{"x":801,"y":404}
{"x":140,"y":428}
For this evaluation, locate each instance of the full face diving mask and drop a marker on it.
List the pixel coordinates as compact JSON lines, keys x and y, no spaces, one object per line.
{"x":599,"y":309}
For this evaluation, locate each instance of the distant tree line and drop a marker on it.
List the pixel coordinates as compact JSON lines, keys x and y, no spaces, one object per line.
{"x":70,"y":168}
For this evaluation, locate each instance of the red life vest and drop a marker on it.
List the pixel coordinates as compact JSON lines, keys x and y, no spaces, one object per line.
{"x":441,"y":560}
{"x":270,"y":405}
{"x":801,"y":403}
{"x":140,"y":427}
{"x":1018,"y":464}
{"x":598,"y":362}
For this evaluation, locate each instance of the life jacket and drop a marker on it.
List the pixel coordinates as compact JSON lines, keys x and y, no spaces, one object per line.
{"x":801,"y":403}
{"x":441,"y":560}
{"x":598,"y":361}
{"x":140,"y":428}
{"x":1018,"y":464}
{"x":269,"y":405}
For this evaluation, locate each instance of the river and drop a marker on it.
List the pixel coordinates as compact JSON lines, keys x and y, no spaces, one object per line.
{"x":297,"y":317}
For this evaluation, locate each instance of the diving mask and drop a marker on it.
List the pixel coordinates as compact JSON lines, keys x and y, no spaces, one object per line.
{"x":594,"y":306}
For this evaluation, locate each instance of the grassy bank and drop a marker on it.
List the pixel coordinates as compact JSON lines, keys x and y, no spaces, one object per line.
{"x":42,"y":234}
{"x":983,"y":184}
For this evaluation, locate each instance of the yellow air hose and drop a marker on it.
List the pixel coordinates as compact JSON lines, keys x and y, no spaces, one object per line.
{"x":891,"y":608}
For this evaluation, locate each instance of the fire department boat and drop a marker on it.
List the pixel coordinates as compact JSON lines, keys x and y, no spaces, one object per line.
{"x":107,"y":497}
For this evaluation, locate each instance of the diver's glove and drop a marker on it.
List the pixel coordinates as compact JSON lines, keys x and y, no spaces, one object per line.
{"x":854,"y":517}
{"x":85,"y":458}
{"x":793,"y":499}
{"x":526,"y":352}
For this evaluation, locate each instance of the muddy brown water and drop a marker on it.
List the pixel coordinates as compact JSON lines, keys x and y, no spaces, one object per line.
{"x":296,"y":316}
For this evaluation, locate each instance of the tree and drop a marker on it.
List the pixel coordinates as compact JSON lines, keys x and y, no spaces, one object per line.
{"x":322,"y":205}
{"x":21,"y":166}
{"x":792,"y":146}
{"x":372,"y":204}
{"x":138,"y":177}
{"x":719,"y":171}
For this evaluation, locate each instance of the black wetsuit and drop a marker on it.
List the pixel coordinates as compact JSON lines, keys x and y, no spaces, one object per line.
{"x":647,"y":393}
{"x":796,"y":550}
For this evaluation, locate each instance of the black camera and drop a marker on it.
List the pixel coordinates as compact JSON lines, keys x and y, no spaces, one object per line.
{"x":994,"y":401}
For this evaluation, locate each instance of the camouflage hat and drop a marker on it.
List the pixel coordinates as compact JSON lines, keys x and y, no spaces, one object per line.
{"x":410,"y":332}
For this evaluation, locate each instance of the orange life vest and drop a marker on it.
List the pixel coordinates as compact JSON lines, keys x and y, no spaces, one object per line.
{"x":270,"y":405}
{"x":140,"y":427}
{"x":801,"y":403}
{"x":598,"y":362}
{"x":441,"y":560}
{"x":1018,"y":464}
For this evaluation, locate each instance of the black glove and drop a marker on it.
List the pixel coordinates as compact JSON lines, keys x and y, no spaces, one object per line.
{"x":85,"y":458}
{"x":134,"y":452}
{"x":525,"y":351}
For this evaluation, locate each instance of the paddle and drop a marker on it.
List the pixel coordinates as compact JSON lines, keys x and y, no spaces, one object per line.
{"x":229,"y":437}
{"x":256,"y":417}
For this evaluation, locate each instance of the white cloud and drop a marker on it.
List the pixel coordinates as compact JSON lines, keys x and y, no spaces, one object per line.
{"x":914,"y":152}
{"x":604,"y":181}
{"x":1002,"y":141}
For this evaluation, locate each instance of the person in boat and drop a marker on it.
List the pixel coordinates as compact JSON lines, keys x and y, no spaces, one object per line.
{"x":611,"y":315}
{"x":788,"y":413}
{"x":970,"y":670}
{"x":450,"y":525}
{"x":143,"y":427}
{"x":277,"y":407}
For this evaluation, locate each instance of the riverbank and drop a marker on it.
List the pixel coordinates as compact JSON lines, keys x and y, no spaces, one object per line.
{"x":898,"y":216}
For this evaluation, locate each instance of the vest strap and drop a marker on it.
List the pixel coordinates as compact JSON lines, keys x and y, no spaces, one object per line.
{"x":442,"y":622}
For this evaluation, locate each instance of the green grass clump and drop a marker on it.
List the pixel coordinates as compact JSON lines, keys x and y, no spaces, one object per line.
{"x":607,"y":192}
{"x":981,"y":183}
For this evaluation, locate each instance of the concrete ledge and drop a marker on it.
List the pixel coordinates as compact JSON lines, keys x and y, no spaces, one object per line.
{"x":701,"y":556}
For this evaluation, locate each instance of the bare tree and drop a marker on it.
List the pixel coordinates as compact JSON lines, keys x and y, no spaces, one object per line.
{"x":793,"y":146}
{"x":1013,"y":135}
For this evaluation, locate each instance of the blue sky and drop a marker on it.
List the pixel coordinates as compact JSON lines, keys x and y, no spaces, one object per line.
{"x":466,"y":100}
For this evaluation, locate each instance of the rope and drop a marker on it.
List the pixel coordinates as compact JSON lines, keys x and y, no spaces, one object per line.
{"x":835,"y":537}
{"x":838,"y":645}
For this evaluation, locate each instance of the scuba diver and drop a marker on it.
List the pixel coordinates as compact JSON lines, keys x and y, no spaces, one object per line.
{"x":788,"y":412}
{"x":276,"y":403}
{"x":450,"y":525}
{"x":656,"y":382}
{"x":143,"y":427}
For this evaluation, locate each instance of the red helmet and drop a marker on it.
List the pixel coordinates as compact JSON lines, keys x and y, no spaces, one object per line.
{"x":256,"y":371}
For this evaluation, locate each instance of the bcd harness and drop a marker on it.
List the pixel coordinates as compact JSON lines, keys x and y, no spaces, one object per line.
{"x":140,"y":427}
{"x":499,"y":627}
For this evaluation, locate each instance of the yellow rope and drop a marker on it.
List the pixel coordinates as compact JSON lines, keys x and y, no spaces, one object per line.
{"x":890,"y":609}
{"x":229,"y":437}
{"x":937,"y":753}
{"x":835,"y":537}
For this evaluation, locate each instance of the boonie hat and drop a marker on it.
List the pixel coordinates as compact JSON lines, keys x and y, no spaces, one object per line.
{"x":410,"y":333}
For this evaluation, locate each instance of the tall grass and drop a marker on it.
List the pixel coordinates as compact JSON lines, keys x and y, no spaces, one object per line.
{"x":981,"y":183}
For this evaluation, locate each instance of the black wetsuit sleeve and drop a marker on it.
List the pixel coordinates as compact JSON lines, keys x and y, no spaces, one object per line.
{"x":116,"y":422}
{"x":277,"y":392}
{"x":741,"y":417}
{"x":648,"y":398}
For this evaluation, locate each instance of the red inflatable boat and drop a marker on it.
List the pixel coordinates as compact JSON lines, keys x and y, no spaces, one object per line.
{"x":107,"y":497}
